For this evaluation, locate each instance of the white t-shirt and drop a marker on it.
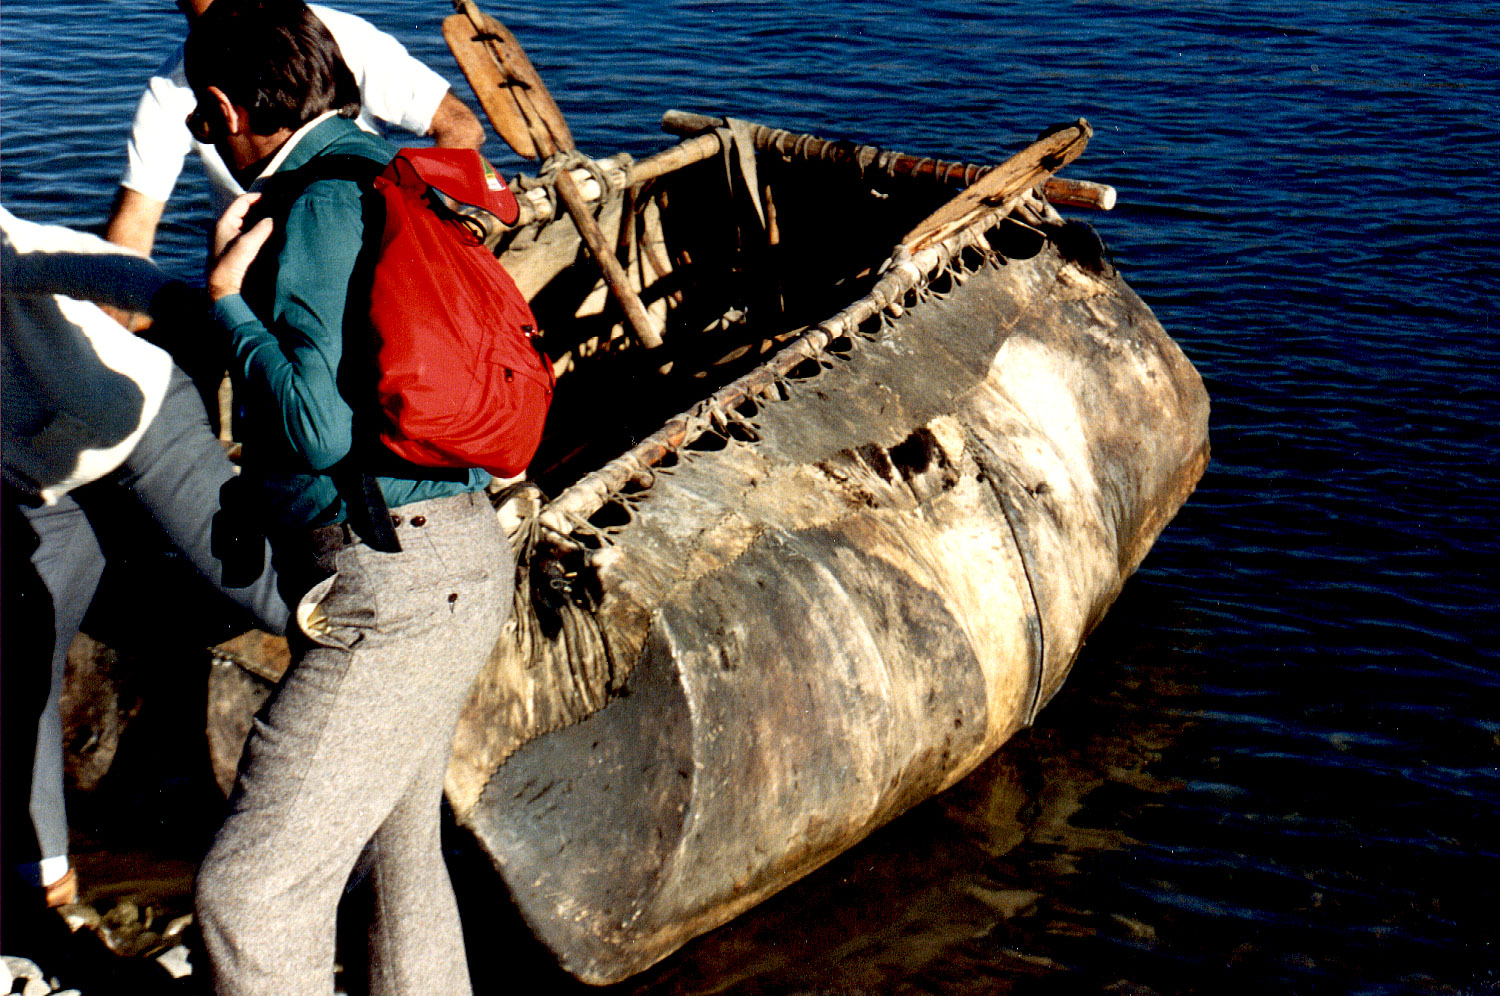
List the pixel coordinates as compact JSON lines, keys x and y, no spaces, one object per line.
{"x":395,"y":89}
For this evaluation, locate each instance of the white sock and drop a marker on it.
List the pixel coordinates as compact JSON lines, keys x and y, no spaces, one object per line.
{"x":44,"y":872}
{"x":53,"y":869}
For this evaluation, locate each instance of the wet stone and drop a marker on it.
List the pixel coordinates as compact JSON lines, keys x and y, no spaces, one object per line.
{"x":176,"y":961}
{"x":24,"y":976}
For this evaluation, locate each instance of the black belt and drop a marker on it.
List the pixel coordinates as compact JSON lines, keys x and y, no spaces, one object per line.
{"x":338,"y":535}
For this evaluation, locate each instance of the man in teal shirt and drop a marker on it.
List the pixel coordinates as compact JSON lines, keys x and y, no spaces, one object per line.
{"x":301,"y":391}
{"x":351,"y":752}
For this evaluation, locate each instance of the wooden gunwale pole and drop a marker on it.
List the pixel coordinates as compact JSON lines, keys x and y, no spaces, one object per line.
{"x":959,"y":223}
{"x":1005,"y":185}
{"x":1073,"y":193}
{"x":908,"y":269}
{"x":535,"y":207}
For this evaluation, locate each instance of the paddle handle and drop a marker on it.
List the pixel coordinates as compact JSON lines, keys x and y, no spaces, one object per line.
{"x":614,"y":274}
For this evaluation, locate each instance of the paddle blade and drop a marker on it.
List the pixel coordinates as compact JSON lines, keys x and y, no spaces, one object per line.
{"x":488,"y":82}
{"x":507,"y":86}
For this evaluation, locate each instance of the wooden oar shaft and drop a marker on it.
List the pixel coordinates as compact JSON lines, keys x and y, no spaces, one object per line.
{"x":614,"y":273}
{"x":1074,"y":193}
{"x":541,"y":137}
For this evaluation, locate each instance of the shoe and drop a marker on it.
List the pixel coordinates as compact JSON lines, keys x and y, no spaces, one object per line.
{"x":63,"y":892}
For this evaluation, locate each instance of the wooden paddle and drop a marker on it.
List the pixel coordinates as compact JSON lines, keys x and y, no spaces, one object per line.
{"x":1005,"y":183}
{"x":524,"y":113}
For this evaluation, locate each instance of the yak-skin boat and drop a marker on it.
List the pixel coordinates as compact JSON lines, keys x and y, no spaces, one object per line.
{"x":900,"y":435}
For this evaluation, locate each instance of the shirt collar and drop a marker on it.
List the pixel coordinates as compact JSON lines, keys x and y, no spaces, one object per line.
{"x":295,"y":151}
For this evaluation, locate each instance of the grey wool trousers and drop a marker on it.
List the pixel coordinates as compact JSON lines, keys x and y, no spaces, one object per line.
{"x":349,"y":757}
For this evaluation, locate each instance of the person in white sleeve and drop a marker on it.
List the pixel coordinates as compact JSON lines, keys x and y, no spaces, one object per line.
{"x":95,"y":419}
{"x":396,"y":90}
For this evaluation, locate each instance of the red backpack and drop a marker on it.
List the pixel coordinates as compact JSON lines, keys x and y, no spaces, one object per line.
{"x":461,"y":381}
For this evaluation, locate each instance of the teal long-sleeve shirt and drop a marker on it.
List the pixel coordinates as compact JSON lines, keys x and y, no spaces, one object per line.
{"x":302,"y":357}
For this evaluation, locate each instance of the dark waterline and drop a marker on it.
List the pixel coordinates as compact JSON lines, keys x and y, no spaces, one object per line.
{"x":1276,"y":767}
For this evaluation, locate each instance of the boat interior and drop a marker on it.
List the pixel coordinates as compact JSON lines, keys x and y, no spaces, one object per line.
{"x":729,"y":276}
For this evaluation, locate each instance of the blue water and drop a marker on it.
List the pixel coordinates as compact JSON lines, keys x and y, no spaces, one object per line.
{"x":1276,"y":768}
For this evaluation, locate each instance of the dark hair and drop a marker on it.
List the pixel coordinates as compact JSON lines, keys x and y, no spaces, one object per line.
{"x":272,"y":57}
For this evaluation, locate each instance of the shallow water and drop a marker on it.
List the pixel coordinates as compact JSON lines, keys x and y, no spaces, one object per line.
{"x":1276,"y":767}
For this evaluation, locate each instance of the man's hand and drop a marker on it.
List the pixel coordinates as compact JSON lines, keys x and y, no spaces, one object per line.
{"x":454,"y":126}
{"x":234,"y":248}
{"x":134,"y":321}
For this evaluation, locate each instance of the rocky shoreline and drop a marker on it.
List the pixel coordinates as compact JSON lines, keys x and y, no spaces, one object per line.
{"x":114,"y":941}
{"x":140,"y":819}
{"x":123,"y":951}
{"x":73,"y":956}
{"x":145,"y":797}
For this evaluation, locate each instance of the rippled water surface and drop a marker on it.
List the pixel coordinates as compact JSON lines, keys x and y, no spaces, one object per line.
{"x":1276,"y":767}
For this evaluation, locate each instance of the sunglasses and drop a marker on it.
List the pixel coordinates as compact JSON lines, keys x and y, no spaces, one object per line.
{"x":202,"y":128}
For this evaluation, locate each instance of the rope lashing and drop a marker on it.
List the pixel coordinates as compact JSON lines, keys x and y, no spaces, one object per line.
{"x":737,"y":140}
{"x":559,"y":162}
{"x":905,"y":272}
